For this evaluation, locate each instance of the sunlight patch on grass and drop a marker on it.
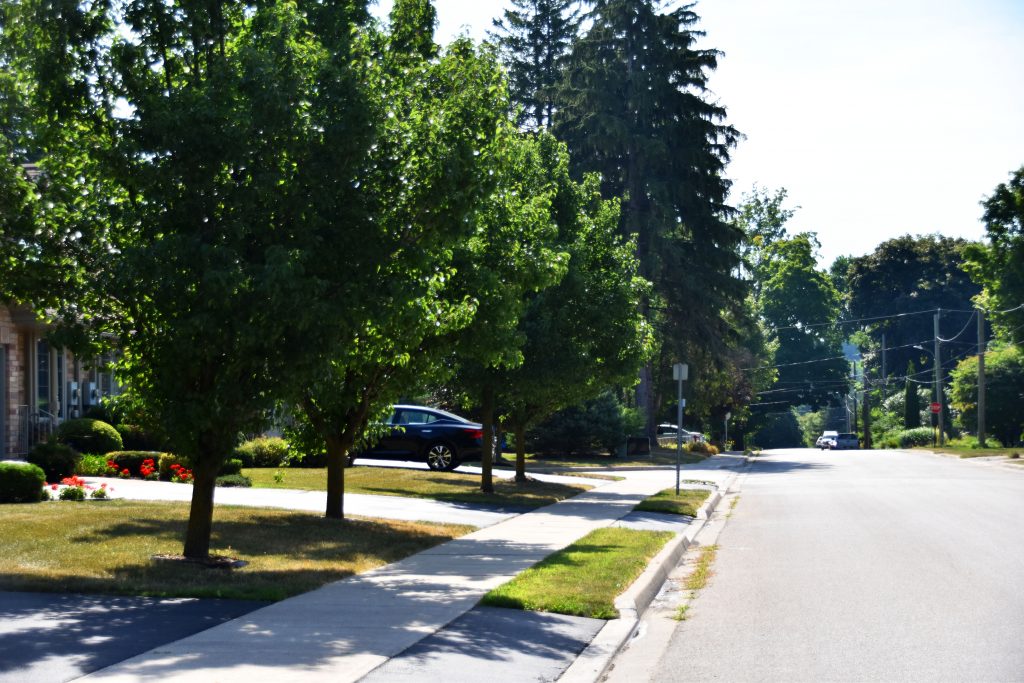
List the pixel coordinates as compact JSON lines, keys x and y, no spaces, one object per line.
{"x":107,"y":548}
{"x":686,"y":503}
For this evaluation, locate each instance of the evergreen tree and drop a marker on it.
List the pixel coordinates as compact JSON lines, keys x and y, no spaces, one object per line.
{"x":911,"y":404}
{"x":534,"y":38}
{"x":634,"y":108}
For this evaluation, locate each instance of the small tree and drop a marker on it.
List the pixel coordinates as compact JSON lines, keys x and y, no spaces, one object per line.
{"x":911,"y":403}
{"x":585,"y":333}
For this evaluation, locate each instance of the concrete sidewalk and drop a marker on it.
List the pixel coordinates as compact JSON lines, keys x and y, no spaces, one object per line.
{"x":346,"y":629}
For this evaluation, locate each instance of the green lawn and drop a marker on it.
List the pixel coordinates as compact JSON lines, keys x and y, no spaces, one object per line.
{"x":106,"y":547}
{"x":585,"y":578}
{"x":659,"y":457}
{"x":398,"y":481}
{"x":686,"y":503}
{"x":968,"y":452}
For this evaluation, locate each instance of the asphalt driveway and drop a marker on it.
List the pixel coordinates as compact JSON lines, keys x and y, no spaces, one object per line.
{"x":51,"y":638}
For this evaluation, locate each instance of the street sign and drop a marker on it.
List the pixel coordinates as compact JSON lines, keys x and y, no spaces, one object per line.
{"x":680,"y":371}
{"x":935,"y":408}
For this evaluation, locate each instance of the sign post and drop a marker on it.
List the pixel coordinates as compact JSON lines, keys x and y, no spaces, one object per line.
{"x":725,"y":441}
{"x":680,"y":371}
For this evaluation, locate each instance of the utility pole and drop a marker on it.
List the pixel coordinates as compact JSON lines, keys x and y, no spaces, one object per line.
{"x":938,"y":381}
{"x":981,"y":378}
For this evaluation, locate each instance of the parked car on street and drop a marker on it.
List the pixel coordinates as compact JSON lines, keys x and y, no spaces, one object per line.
{"x":846,"y":441}
{"x":442,"y":439}
{"x":827,"y":440}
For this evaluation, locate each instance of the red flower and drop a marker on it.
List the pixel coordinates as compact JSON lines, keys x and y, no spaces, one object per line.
{"x":53,"y":486}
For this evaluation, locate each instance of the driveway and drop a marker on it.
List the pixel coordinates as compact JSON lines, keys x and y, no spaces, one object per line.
{"x":46,"y":637}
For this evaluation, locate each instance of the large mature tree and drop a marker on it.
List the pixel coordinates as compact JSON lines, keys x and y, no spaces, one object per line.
{"x":800,"y":306}
{"x":999,"y":265}
{"x":584,"y":334}
{"x":213,"y":201}
{"x":534,"y":37}
{"x":634,"y":108}
{"x":762,"y":218}
{"x":900,"y":285}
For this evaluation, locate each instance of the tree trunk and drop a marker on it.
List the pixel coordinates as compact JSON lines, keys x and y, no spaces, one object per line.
{"x":520,"y":431}
{"x":867,"y":420}
{"x":336,"y":455}
{"x":200,"y":515}
{"x":487,"y":457}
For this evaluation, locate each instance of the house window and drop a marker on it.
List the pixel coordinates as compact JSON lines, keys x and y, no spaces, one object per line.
{"x":42,"y":376}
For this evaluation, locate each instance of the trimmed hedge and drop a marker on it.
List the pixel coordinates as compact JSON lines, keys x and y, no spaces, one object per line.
{"x":234,"y":480}
{"x":57,"y":460}
{"x":263,"y":451}
{"x":21,"y":482}
{"x":89,"y":436}
{"x":164,"y":465}
{"x":920,"y":436}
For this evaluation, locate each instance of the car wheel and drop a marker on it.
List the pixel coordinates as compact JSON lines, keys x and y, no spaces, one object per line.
{"x":441,"y":457}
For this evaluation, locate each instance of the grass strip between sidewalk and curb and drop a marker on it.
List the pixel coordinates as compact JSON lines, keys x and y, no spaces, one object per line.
{"x":106,"y":547}
{"x":584,"y":578}
{"x":686,"y":503}
{"x":453,"y":487}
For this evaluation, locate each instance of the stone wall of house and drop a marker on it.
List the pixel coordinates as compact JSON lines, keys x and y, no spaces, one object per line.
{"x":13,"y":341}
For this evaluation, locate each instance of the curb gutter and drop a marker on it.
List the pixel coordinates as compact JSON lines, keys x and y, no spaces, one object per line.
{"x":595,"y":658}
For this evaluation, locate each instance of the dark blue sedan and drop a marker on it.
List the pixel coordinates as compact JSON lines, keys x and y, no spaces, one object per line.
{"x":442,"y":439}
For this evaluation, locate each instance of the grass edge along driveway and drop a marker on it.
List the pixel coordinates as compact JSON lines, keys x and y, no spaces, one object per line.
{"x":106,"y":547}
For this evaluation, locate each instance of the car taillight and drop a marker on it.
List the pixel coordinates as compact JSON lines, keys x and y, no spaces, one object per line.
{"x":476,"y":433}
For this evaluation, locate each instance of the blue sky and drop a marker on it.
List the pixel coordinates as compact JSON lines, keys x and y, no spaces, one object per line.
{"x":881,"y":117}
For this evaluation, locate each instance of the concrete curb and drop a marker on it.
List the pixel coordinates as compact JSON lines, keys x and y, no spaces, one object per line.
{"x":595,"y":658}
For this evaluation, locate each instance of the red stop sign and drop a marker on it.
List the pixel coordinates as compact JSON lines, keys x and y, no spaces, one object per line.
{"x":936,"y":408}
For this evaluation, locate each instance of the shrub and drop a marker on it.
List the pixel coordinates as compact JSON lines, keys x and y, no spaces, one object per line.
{"x":601,"y":424}
{"x":263,"y":451}
{"x":230,"y":480}
{"x":920,"y":436}
{"x":93,"y":466}
{"x":89,"y":436}
{"x":166,"y":465}
{"x":135,"y":438}
{"x":313,"y":460}
{"x":21,"y":482}
{"x":230,"y":467}
{"x":57,"y":460}
{"x":131,"y":460}
{"x":889,"y":440}
{"x":701,"y":447}
{"x":72,"y":493}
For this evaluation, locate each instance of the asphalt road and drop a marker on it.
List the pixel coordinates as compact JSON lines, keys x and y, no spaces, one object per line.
{"x":862,"y":566}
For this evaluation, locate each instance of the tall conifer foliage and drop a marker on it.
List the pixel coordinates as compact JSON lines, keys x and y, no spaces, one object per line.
{"x":535,"y":37}
{"x":635,"y":108}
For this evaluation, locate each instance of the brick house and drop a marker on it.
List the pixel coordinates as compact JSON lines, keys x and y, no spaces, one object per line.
{"x":41,"y":385}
